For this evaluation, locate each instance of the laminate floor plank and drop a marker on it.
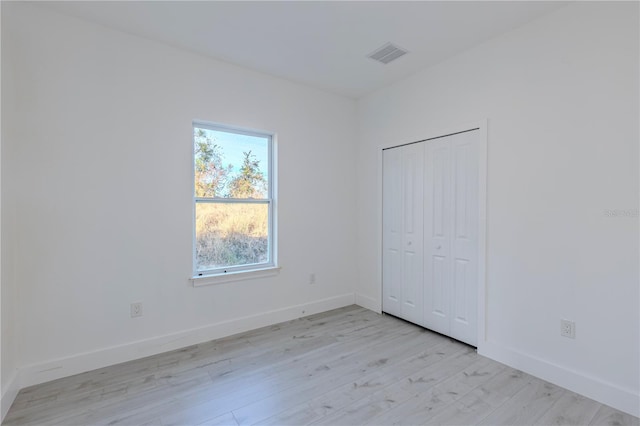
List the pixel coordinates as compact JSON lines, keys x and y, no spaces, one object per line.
{"x":226,"y":419}
{"x":480,"y":402}
{"x":607,"y":416}
{"x":526,"y":406}
{"x":570,"y":409}
{"x":431,"y":399}
{"x":348,"y":366}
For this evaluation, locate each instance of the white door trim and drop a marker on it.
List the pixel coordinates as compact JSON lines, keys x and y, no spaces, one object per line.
{"x":481,"y":127}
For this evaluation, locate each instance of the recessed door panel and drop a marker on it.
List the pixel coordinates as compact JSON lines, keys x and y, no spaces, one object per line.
{"x":439,"y":157}
{"x":461,"y":190}
{"x":461,"y":291}
{"x":437,"y":310}
{"x":393,"y":269}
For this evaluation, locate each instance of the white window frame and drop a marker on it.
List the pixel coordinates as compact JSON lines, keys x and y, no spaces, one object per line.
{"x":238,"y":272}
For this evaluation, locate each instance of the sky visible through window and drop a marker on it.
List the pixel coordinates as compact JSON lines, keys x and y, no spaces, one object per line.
{"x":235,"y":145}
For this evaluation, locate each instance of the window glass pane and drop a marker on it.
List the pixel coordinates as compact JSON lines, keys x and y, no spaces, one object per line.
{"x":231,"y":234}
{"x":230,"y":165}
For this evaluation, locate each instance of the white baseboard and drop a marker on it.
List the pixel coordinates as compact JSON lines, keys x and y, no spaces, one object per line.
{"x":368,"y":303}
{"x":9,"y":395}
{"x":623,"y":399}
{"x":63,"y":367}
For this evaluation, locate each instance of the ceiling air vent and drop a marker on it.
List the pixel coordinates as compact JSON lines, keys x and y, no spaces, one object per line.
{"x":387,"y":53}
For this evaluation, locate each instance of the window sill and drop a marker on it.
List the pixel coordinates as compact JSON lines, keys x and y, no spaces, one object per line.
{"x":205,"y":280}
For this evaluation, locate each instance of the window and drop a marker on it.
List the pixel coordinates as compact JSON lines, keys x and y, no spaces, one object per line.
{"x":233,"y":200}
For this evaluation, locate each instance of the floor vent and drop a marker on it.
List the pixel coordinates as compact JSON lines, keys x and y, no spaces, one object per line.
{"x":387,"y":53}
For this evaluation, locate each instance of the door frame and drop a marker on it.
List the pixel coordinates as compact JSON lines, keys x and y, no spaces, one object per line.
{"x":425,"y":136}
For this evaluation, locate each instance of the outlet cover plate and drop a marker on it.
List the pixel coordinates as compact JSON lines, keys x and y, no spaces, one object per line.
{"x":567,"y":328}
{"x":136,"y":310}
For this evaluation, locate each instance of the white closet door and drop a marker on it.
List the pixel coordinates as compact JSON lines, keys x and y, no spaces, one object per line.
{"x":437,"y":201}
{"x":464,"y":237}
{"x":412,"y":241}
{"x":402,"y":239}
{"x":451,"y":236}
{"x":430,"y":234}
{"x":392,"y":231}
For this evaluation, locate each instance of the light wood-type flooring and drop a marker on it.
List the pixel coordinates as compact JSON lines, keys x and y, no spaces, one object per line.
{"x":348,"y":366}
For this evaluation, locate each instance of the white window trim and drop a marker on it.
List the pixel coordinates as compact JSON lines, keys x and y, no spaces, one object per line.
{"x":238,"y":272}
{"x":213,"y":279}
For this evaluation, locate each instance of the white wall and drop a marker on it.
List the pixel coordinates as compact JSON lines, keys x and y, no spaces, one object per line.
{"x":99,"y":158}
{"x":561,"y":97}
{"x":8,"y":294}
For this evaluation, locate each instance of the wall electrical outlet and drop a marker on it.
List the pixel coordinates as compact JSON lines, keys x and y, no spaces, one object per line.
{"x":136,"y":310}
{"x":567,"y":328}
{"x":312,"y":278}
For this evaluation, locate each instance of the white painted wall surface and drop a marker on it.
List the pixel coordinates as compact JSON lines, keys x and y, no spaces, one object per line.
{"x":1,"y":280}
{"x":561,"y":97}
{"x":8,"y":294}
{"x":101,"y":143}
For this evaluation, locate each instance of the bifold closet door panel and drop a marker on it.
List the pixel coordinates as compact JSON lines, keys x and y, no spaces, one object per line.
{"x":451,"y":236}
{"x":464,"y":237}
{"x":413,"y":237}
{"x":437,"y":224}
{"x":392,"y":231}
